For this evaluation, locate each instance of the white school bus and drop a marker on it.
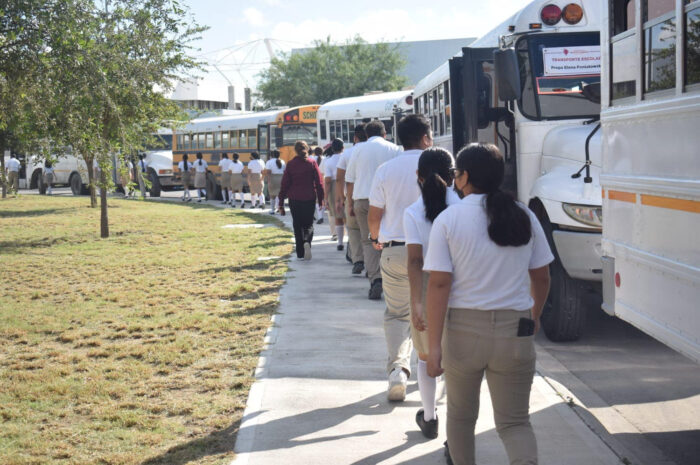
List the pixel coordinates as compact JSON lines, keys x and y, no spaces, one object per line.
{"x":651,"y":168}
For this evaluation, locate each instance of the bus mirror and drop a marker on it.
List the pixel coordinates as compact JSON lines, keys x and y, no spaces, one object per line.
{"x":279,"y":140}
{"x":507,"y":74}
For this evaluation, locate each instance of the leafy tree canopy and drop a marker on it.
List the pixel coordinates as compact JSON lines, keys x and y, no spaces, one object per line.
{"x":329,"y":71}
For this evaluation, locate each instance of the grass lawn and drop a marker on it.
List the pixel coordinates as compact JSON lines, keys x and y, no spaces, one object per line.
{"x":137,"y":349}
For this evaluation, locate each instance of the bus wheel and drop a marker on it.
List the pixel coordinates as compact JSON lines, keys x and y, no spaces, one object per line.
{"x":564,"y":314}
{"x":213,"y":189}
{"x":38,"y":182}
{"x":76,"y":184}
{"x":155,"y":183}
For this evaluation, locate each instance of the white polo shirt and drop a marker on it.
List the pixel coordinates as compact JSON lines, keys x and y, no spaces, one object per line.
{"x":181,"y":166}
{"x":271,"y":166}
{"x":200,"y":167}
{"x":330,"y":167}
{"x":394,"y":188}
{"x":236,"y":167}
{"x":13,"y":164}
{"x":485,"y":276}
{"x":256,"y":166}
{"x":223,"y":164}
{"x":416,"y":226}
{"x":364,"y":163}
{"x":345,"y":157}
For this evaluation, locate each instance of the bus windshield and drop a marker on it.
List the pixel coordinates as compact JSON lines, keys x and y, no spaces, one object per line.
{"x":294,"y":132}
{"x":554,"y":68}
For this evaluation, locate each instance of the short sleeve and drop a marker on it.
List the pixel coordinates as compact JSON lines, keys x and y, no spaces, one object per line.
{"x":377,"y":195}
{"x":343,"y":162}
{"x":541,"y":253}
{"x":410,"y":229}
{"x":328,"y":170}
{"x":438,"y":257}
{"x":350,"y":172}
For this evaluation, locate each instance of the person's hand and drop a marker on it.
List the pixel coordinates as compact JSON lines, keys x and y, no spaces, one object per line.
{"x":434,"y":363}
{"x":377,"y":246}
{"x":418,"y":317}
{"x":537,"y":325}
{"x":281,"y":210}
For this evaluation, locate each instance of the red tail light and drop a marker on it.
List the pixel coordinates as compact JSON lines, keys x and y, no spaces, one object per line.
{"x":572,"y":13}
{"x":551,"y":14}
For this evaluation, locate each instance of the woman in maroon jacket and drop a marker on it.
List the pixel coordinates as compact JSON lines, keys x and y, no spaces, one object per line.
{"x":303,"y":186}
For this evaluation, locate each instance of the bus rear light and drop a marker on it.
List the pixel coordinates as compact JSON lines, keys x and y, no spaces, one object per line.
{"x":551,"y":14}
{"x":409,"y":100}
{"x":617,"y":280}
{"x":572,"y":13}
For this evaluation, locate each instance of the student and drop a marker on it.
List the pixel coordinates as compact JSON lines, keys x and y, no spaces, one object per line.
{"x":225,"y":179}
{"x":13,"y":166}
{"x":358,"y":177}
{"x":329,"y":169}
{"x":236,"y":169}
{"x":186,"y":173}
{"x":435,"y":168}
{"x":142,"y":174}
{"x":316,"y":154}
{"x":48,"y":176}
{"x":489,"y":278}
{"x":254,"y":170}
{"x":344,"y":205}
{"x":302,"y":184}
{"x":126,"y":175}
{"x":393,"y":189}
{"x":274,"y":170}
{"x":200,"y":177}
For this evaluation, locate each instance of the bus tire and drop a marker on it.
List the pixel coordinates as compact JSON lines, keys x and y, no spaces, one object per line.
{"x":76,"y":185}
{"x":213,"y":189}
{"x":155,"y":183}
{"x":37,"y":182}
{"x":564,"y":314}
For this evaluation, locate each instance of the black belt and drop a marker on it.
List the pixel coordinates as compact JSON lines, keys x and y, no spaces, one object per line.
{"x":393,"y":244}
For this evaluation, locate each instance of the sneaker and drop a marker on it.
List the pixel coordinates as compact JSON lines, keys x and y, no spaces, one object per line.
{"x":340,"y":247}
{"x":428,"y":428}
{"x":397,"y":385}
{"x":272,"y":212}
{"x":375,"y":291}
{"x":358,"y":267}
{"x":448,"y":458}
{"x":307,"y":251}
{"x":199,"y":200}
{"x":334,"y":237}
{"x":320,"y":221}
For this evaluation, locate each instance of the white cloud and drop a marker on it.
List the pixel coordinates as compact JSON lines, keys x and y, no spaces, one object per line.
{"x":254,"y":17}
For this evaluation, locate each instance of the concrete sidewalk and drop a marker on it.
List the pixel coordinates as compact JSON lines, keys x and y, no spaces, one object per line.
{"x":320,"y":393}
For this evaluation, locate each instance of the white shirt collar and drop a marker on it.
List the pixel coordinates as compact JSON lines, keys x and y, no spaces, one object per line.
{"x":474,"y":199}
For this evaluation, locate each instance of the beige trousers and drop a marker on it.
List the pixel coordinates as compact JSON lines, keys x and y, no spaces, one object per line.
{"x":397,"y":316}
{"x":478,"y":342}
{"x":353,"y":228}
{"x":13,"y":181}
{"x":370,"y":254}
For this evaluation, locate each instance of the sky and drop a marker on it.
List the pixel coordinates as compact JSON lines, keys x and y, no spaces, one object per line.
{"x":234,"y":42}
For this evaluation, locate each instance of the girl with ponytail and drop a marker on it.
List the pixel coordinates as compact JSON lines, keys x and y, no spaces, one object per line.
{"x":435,"y":167}
{"x":236,"y":168}
{"x":274,"y":170}
{"x":488,"y":260}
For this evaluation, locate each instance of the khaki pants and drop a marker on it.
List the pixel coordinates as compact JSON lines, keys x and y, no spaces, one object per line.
{"x":478,"y":342}
{"x":397,"y":316}
{"x":370,"y":254}
{"x":13,"y":181}
{"x":356,"y":254}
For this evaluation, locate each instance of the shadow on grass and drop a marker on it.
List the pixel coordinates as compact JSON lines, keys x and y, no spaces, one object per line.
{"x":258,"y":266}
{"x":16,"y":247}
{"x":30,"y":213}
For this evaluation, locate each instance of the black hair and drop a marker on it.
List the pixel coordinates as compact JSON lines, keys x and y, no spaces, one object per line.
{"x":276,"y":155}
{"x":199,"y":157}
{"x":337,"y":145}
{"x":435,"y":168}
{"x":411,"y":129}
{"x":509,"y":223}
{"x":360,"y":132}
{"x":375,"y":128}
{"x":48,"y":164}
{"x":235,"y":157}
{"x":224,"y":155}
{"x":255,"y":156}
{"x":318,"y":151}
{"x":184,"y":162}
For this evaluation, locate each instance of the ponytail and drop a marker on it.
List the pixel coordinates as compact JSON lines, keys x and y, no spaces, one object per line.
{"x":508,"y":222}
{"x":278,"y":162}
{"x":435,"y":169}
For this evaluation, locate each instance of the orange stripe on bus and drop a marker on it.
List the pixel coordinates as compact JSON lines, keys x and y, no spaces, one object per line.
{"x":692,"y":206}
{"x":622,"y":196}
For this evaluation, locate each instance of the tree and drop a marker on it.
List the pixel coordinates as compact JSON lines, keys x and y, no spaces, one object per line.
{"x":328,"y":72}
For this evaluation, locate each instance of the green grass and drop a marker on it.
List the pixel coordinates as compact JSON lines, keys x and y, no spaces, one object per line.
{"x":137,"y":349}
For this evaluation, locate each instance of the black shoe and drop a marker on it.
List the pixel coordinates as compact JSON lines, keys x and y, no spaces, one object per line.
{"x":375,"y":291}
{"x":320,"y":221}
{"x":358,"y":267}
{"x":447,"y":455}
{"x":340,"y":247}
{"x":429,"y":428}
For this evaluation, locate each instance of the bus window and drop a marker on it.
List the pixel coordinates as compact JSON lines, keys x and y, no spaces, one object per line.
{"x":217,"y":140}
{"x":322,"y":123}
{"x":331,"y":134}
{"x":305,"y":132}
{"x":660,"y":55}
{"x":263,"y":138}
{"x":224,"y":140}
{"x":233,"y":139}
{"x":653,"y":9}
{"x":344,"y":137}
{"x":242,"y":139}
{"x":210,"y":141}
{"x":692,"y":47}
{"x":252,"y":135}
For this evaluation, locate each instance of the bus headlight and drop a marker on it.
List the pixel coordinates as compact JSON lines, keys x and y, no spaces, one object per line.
{"x":586,"y":214}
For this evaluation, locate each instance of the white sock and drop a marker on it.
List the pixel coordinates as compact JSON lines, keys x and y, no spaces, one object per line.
{"x":426,"y":386}
{"x":339,"y":231}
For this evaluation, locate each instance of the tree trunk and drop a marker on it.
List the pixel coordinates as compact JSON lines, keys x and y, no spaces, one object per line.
{"x":104,"y":220}
{"x":91,"y":181}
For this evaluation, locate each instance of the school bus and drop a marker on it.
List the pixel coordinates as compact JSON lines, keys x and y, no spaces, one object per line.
{"x":244,"y":134}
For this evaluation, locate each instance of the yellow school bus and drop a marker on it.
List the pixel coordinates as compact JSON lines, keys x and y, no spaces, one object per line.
{"x":243,"y":134}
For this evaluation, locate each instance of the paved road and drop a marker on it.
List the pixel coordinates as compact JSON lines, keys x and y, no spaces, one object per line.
{"x":645,"y":398}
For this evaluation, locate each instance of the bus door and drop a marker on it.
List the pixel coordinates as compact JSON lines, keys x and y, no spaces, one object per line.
{"x":484,"y":120}
{"x":263,"y":144}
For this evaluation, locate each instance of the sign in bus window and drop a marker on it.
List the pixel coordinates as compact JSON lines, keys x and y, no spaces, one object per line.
{"x":565,"y":61}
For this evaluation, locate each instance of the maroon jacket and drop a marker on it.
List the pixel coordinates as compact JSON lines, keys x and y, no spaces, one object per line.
{"x":302,"y":180}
